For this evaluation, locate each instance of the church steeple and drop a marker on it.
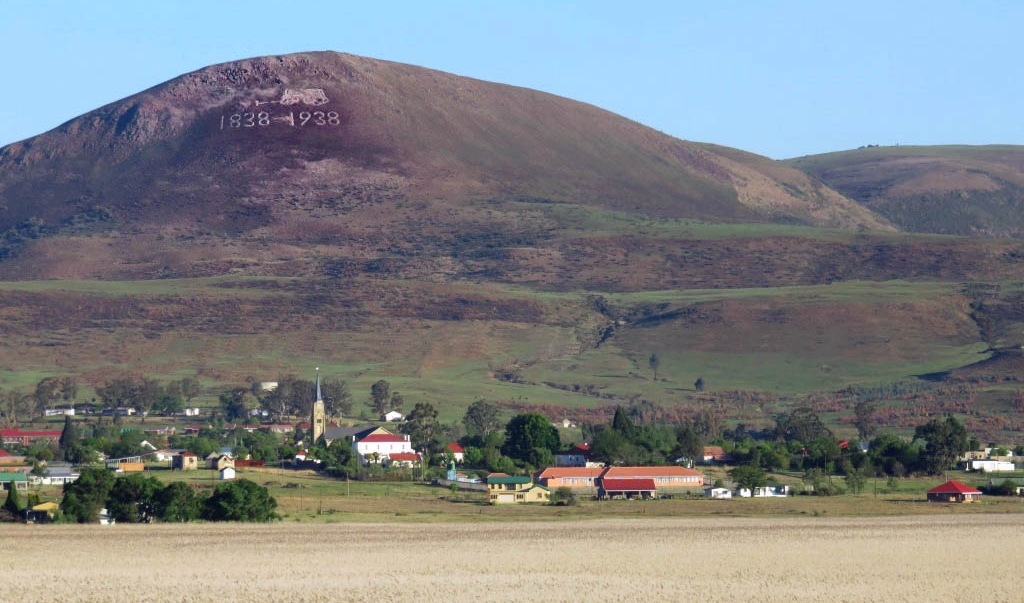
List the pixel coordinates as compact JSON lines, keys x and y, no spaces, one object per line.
{"x":319,"y":397}
{"x":318,"y":420}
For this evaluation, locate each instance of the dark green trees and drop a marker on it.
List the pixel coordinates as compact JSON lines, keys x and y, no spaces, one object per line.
{"x":528,"y":437}
{"x":945,"y":440}
{"x":241,"y":500}
{"x":84,"y":497}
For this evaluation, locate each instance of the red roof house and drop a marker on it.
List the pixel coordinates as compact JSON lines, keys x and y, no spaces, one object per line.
{"x":457,"y":451}
{"x":404,"y":459}
{"x":953,"y":491}
{"x":628,"y":488}
{"x":18,"y":436}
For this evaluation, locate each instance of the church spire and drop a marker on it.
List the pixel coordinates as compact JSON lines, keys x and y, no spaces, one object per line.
{"x":318,"y":418}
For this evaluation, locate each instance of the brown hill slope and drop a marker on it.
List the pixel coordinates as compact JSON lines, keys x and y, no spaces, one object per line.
{"x":300,"y":150}
{"x":965,"y":190}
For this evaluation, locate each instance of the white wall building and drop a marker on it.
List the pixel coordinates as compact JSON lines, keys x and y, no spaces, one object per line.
{"x":988,"y":466}
{"x":379,"y":445}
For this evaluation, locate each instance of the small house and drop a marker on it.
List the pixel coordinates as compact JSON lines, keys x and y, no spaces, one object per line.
{"x":404,"y":459}
{"x":763,"y":492}
{"x":10,"y":480}
{"x":718,"y":493}
{"x":457,"y":451}
{"x":715,"y":455}
{"x":41,"y":513}
{"x":186,"y":461}
{"x":955,"y":492}
{"x":227,"y":473}
{"x":392,"y":416}
{"x":514,"y":489}
{"x":220,"y":461}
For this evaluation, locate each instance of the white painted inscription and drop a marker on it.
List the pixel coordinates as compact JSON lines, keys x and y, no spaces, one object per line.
{"x":262,"y":119}
{"x":313,"y":97}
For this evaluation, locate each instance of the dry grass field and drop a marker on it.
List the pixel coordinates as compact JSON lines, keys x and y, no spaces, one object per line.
{"x":959,"y":557}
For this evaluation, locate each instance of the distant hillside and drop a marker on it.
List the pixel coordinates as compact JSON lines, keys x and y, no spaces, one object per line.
{"x":964,"y":190}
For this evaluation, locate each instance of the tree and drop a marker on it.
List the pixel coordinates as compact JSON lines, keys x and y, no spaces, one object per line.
{"x":801,"y":425}
{"x":84,"y":497}
{"x":236,"y":403}
{"x":68,"y":435}
{"x":623,"y":424}
{"x":53,"y":389}
{"x":292,"y":396}
{"x":864,"y":418}
{"x":945,"y":440}
{"x":189,"y":388}
{"x":855,"y":480}
{"x":608,"y":446}
{"x":481,"y":418}
{"x":708,"y":424}
{"x":699,"y":384}
{"x":380,"y":396}
{"x":653,"y":362}
{"x":526,"y":432}
{"x":690,"y":443}
{"x":13,"y":406}
{"x":132,"y":499}
{"x":563,"y":496}
{"x":422,"y":427}
{"x":13,"y":502}
{"x":177,"y":502}
{"x":814,"y":477}
{"x":240,"y":500}
{"x":337,"y":398}
{"x":748,"y":476}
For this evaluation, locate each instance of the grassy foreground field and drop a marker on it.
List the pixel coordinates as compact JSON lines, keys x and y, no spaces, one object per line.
{"x":958,"y":558}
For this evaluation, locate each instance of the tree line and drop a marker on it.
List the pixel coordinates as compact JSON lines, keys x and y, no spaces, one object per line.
{"x":139,"y":499}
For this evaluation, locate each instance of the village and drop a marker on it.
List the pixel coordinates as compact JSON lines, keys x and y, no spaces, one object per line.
{"x":385,"y":451}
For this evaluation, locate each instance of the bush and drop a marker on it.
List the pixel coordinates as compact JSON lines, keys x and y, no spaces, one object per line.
{"x":564,"y":497}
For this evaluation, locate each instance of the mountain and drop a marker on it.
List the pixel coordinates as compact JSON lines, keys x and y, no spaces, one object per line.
{"x":467,"y":239}
{"x":962,"y":190}
{"x":316,"y":148}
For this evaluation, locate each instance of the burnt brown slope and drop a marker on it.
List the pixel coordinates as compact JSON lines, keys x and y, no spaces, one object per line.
{"x":243,"y":146}
{"x":963,"y":190}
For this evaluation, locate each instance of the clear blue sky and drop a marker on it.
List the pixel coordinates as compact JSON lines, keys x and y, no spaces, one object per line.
{"x":781,"y":78}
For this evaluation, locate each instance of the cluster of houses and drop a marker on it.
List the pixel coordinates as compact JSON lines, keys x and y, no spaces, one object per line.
{"x":988,"y":460}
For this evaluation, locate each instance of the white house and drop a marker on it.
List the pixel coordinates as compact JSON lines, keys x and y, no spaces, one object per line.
{"x":392,"y":417}
{"x":718,"y":493}
{"x":988,"y":466}
{"x":55,"y":476}
{"x":379,"y":444}
{"x":764,"y":492}
{"x":166,"y":455}
{"x":227,"y":473}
